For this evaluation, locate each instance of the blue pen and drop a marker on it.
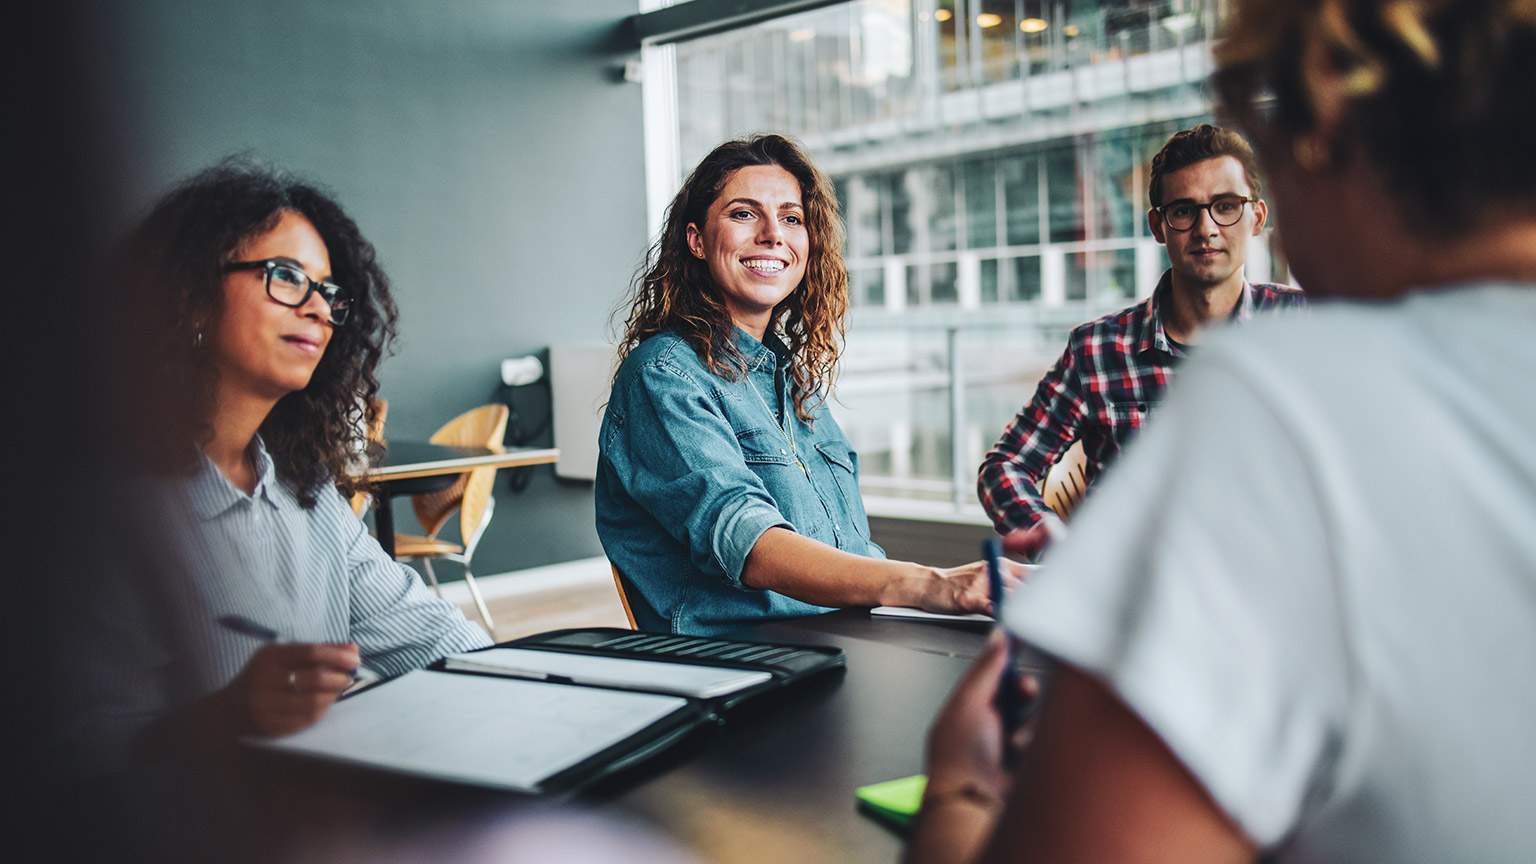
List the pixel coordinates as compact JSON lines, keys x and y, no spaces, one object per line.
{"x":1007,"y":701}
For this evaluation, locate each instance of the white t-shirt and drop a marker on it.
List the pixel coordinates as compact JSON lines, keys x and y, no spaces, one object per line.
{"x":1314,"y":576}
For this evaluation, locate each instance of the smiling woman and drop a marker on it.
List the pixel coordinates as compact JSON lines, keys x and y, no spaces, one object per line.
{"x":725,"y":492}
{"x":267,"y":314}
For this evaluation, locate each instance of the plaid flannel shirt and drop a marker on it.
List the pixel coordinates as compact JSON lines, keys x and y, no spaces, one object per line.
{"x":1102,"y":390}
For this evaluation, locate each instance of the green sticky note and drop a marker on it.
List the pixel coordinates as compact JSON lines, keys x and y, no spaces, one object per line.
{"x":894,"y":801}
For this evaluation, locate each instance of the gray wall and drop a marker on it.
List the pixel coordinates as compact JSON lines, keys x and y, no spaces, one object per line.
{"x":490,"y":150}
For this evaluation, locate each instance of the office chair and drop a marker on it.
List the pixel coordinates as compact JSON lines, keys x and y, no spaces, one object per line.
{"x":1067,"y":481}
{"x":470,"y":496}
{"x":618,"y":582}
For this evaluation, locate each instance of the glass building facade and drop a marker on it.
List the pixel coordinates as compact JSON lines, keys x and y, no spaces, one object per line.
{"x":991,"y":158}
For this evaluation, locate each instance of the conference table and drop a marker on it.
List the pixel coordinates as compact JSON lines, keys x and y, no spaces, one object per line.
{"x":403,"y":467}
{"x":774,"y":783}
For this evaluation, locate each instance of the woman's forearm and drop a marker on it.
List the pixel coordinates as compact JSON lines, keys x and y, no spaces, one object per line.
{"x":808,"y":570}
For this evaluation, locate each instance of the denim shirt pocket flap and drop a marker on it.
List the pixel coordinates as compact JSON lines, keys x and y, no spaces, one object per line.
{"x":837,"y":454}
{"x":763,"y":447}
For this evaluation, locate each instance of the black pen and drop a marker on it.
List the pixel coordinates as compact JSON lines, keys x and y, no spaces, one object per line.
{"x":1008,"y":703}
{"x":242,"y":624}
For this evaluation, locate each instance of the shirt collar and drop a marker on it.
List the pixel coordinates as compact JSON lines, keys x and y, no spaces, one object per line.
{"x":211,"y":493}
{"x":1151,"y":335}
{"x":767,"y":354}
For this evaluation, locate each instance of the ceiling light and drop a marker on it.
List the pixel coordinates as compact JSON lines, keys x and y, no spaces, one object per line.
{"x":1033,"y":25}
{"x":943,"y":15}
{"x":988,"y":19}
{"x":1070,"y":30}
{"x":802,"y":35}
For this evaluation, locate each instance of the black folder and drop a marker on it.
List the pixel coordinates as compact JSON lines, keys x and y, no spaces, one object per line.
{"x":550,"y":736}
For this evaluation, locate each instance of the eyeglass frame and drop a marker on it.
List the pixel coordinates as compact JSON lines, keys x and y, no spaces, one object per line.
{"x":313,"y":285}
{"x":1243,"y":201}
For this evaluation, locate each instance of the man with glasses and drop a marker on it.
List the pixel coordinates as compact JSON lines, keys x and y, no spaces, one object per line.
{"x":1206,"y":209}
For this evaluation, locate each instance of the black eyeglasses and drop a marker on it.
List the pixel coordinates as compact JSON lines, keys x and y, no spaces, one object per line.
{"x":1182,"y":215}
{"x":291,"y":286}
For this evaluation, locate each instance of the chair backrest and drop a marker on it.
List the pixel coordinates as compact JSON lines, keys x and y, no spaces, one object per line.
{"x":618,"y":582}
{"x":1066,"y":482}
{"x":471,"y":493}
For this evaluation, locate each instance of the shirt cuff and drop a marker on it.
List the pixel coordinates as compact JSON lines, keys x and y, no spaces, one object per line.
{"x":737,"y":531}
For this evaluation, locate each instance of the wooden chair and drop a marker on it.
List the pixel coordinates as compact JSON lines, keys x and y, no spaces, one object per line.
{"x":360,"y":500}
{"x":618,"y":583}
{"x":1067,"y":481}
{"x":470,"y":496}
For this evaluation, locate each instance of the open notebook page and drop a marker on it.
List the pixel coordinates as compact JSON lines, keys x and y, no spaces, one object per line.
{"x":703,"y":682}
{"x":924,"y":615}
{"x":488,"y":731}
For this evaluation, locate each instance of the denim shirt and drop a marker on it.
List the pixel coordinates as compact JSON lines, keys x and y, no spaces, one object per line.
{"x":693,"y":468}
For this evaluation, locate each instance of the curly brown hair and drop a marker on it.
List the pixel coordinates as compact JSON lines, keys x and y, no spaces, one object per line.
{"x":1431,"y":93}
{"x":175,"y":261}
{"x":673,"y":292}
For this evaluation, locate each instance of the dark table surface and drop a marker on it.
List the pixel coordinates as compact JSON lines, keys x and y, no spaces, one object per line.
{"x":775,"y":783}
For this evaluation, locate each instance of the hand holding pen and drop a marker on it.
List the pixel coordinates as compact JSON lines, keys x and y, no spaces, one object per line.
{"x":977,"y":733}
{"x":288,"y":686}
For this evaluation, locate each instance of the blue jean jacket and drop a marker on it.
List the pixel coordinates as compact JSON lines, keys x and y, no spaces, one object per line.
{"x":693,"y":468}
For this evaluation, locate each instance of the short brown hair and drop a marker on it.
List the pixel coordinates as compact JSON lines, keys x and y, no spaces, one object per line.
{"x":1435,"y":95}
{"x":1197,"y":145}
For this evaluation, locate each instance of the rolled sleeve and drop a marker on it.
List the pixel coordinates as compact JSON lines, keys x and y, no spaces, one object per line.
{"x":1013,"y":473}
{"x":677,"y":456}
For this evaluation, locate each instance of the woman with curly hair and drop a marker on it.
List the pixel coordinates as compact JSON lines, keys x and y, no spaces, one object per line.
{"x":1286,"y":632}
{"x":726,"y":493}
{"x":266,"y":313}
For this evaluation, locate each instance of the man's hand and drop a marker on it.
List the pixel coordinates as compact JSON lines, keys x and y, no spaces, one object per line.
{"x":288,"y":687}
{"x":1029,"y":543}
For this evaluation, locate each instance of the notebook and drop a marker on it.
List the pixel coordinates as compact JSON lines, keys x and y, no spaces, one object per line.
{"x":553,"y":712}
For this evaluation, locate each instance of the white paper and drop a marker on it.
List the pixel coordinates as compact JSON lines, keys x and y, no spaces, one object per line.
{"x":497,"y":732}
{"x":909,"y":612}
{"x":703,"y":682}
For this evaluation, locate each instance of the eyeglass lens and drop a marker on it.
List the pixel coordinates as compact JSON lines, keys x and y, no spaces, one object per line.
{"x":1224,"y":212}
{"x":290,"y":286}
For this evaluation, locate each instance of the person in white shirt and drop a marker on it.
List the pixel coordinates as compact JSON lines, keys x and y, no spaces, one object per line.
{"x":1297,"y":623}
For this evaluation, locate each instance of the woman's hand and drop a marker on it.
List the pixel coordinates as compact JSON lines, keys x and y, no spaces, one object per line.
{"x":965,"y":743}
{"x":288,"y":687}
{"x":968,"y":764}
{"x":964,"y":588}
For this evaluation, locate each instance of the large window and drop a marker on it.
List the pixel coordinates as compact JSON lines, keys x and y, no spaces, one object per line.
{"x":990,"y":157}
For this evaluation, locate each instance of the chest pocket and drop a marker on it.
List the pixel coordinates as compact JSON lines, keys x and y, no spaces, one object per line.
{"x":764,"y":447}
{"x":842,"y":464}
{"x":1123,"y":417}
{"x":767,"y":455}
